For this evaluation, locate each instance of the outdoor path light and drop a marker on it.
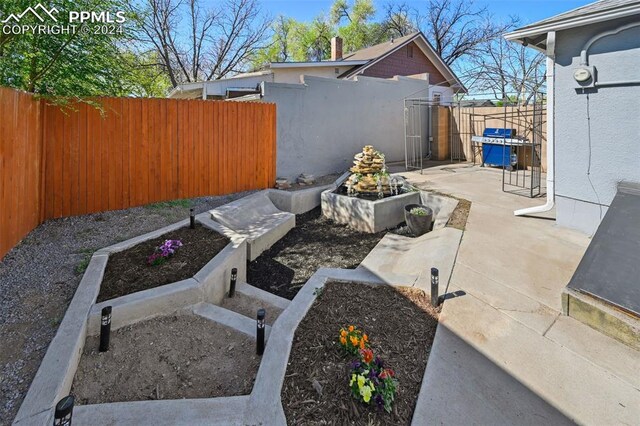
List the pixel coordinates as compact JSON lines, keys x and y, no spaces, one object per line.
{"x":232,"y":286}
{"x":260,"y":331}
{"x":435,"y":282}
{"x":64,"y":411}
{"x":192,"y":219}
{"x":105,"y":328}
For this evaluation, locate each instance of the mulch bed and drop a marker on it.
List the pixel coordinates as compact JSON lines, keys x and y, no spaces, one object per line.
{"x":401,"y":325}
{"x":316,"y":242}
{"x":128,"y":272}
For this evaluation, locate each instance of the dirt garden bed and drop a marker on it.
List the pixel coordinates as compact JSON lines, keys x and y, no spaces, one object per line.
{"x":129,"y":272}
{"x":173,"y":357}
{"x":401,"y":326}
{"x":316,"y":242}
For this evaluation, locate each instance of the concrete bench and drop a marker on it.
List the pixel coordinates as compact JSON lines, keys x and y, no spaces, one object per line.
{"x":256,"y":218}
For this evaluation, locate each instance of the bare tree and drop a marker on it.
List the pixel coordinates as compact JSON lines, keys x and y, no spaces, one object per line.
{"x":508,"y":70}
{"x":400,"y":20}
{"x":195,"y":43}
{"x":455,"y":28}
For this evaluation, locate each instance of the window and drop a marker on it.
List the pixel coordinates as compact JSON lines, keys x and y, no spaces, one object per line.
{"x":337,"y":70}
{"x":410,"y":51}
{"x":436,"y":98}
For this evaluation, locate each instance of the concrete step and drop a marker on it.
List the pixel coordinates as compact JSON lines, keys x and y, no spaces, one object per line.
{"x":606,"y":318}
{"x":248,"y":299}
{"x":229,"y":318}
{"x":265,"y":296}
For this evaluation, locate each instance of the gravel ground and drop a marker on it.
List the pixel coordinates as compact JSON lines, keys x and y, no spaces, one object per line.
{"x":39,"y":277}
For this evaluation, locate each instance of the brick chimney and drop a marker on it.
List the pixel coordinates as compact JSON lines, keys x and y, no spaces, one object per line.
{"x":336,"y":49}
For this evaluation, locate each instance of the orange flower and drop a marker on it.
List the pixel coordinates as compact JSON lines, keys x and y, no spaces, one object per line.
{"x":343,"y":340}
{"x":365,"y":337}
{"x":362,"y":344}
{"x":354,"y":341}
{"x":367,"y":355}
{"x":351,"y":328}
{"x":343,"y":333}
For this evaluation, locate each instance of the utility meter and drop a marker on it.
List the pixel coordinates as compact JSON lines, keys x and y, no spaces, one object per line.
{"x":582,"y":74}
{"x":585,"y":76}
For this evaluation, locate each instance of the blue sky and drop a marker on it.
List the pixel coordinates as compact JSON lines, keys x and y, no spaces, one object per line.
{"x":528,"y":10}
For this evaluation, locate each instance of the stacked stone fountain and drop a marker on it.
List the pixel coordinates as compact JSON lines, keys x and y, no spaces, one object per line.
{"x":369,"y":175}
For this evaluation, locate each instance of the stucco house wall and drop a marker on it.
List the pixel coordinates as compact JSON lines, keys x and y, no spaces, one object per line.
{"x":318,"y":135}
{"x":597,"y":133}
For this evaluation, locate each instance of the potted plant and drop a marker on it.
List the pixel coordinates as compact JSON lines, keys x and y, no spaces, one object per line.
{"x":418,"y":218}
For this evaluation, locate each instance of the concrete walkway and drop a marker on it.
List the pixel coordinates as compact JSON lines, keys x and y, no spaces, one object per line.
{"x":503,"y":353}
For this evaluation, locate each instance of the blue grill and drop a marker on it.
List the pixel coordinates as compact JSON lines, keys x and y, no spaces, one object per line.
{"x":493,"y":132}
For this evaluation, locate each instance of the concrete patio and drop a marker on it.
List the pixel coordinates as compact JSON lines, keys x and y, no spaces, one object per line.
{"x":504,"y":353}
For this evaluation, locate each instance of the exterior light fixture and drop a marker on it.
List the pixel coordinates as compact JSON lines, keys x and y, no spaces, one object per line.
{"x":192,"y":219}
{"x":105,"y":328}
{"x":435,"y":282}
{"x":234,"y":278}
{"x":64,"y":411}
{"x":260,"y":331}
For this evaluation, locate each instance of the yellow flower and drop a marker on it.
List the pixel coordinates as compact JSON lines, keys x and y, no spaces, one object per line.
{"x":351,"y":328}
{"x":361,"y":380}
{"x":365,"y":392}
{"x":353,"y":379}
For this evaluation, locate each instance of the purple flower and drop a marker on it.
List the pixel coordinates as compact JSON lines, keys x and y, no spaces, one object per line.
{"x":378,"y":362}
{"x":379,"y":400}
{"x":355,"y":365}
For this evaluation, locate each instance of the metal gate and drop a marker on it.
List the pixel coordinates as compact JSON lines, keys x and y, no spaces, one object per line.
{"x":417,"y":132}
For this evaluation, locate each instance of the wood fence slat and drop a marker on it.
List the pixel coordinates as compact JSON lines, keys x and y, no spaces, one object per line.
{"x":56,"y":163}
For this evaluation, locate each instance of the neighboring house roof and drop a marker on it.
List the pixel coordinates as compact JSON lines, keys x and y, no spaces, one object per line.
{"x":316,"y":64}
{"x":374,"y":52}
{"x":604,"y":10}
{"x":220,"y":87}
{"x":377,"y":53}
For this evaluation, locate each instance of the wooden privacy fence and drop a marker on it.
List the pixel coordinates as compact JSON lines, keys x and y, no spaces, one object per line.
{"x":454,"y":126}
{"x":63,"y":161}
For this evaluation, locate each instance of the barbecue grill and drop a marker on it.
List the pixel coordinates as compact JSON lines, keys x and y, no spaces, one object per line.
{"x":499,"y":147}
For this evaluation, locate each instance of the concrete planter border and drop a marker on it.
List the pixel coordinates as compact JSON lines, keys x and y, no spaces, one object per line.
{"x":57,"y":370}
{"x":198,"y":295}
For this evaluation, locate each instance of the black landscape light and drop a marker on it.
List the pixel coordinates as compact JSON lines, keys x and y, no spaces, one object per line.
{"x":234,"y":278}
{"x":64,"y":411}
{"x":435,"y":281}
{"x":105,"y":328}
{"x":260,"y":331}
{"x":192,"y":219}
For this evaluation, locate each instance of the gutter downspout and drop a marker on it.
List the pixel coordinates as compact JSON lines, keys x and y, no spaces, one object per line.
{"x":551,"y":62}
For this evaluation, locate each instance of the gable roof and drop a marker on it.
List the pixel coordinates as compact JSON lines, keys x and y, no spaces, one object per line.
{"x":604,"y":10}
{"x":378,"y":52}
{"x":373,"y":52}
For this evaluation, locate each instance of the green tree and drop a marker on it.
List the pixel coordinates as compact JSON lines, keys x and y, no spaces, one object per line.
{"x":354,"y":24}
{"x":74,"y":64}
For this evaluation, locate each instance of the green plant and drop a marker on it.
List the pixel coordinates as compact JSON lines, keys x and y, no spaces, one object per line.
{"x":84,"y":263}
{"x":185,"y":203}
{"x":418,"y":211}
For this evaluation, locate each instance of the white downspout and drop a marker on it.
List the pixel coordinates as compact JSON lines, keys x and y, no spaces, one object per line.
{"x":551,"y":62}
